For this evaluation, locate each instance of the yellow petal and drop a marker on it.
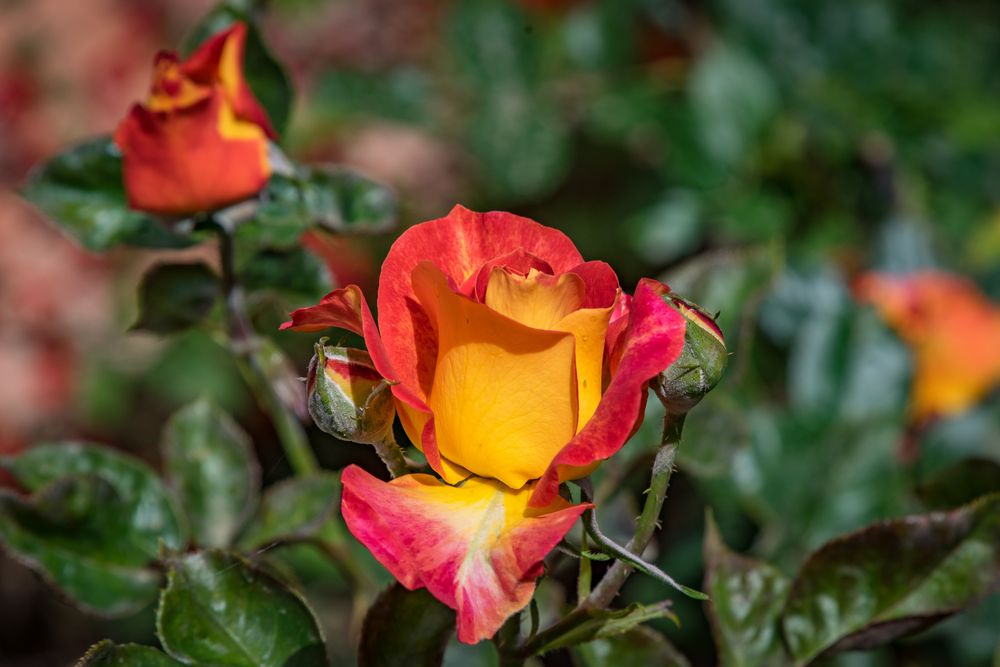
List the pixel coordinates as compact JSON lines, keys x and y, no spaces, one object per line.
{"x":503,"y":395}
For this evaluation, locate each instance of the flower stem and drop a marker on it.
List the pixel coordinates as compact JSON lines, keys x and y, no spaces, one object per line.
{"x":392,"y":456}
{"x":244,"y":344}
{"x":663,"y":466}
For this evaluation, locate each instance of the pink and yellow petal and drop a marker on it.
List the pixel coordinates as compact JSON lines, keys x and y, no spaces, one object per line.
{"x":477,"y":547}
{"x":651,"y":342}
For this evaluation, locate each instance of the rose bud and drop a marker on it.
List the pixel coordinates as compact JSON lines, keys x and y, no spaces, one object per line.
{"x":348,"y":398}
{"x":200,"y":140}
{"x":701,"y":365}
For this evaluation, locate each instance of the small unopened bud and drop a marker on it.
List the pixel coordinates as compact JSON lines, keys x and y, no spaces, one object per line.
{"x":348,"y":398}
{"x":700,"y":365}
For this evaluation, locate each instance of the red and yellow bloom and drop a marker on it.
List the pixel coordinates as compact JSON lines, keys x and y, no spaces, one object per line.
{"x":200,"y":140}
{"x":514,"y":366}
{"x":953,"y":331}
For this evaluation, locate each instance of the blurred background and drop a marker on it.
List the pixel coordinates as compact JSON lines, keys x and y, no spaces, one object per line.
{"x":755,"y":154}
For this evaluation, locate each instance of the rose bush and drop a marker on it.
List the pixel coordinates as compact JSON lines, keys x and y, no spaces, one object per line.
{"x":514,"y":365}
{"x":200,"y":141}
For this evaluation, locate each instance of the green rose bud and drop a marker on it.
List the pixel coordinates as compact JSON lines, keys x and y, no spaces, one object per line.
{"x":348,"y":398}
{"x":700,"y":365}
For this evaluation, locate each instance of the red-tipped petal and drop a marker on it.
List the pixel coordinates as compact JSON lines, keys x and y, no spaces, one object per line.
{"x":652,"y":341}
{"x":477,"y":547}
{"x":341,"y":308}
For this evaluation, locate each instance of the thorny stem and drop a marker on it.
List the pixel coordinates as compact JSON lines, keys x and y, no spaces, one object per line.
{"x":392,"y":456}
{"x":663,"y":467}
{"x":243,"y":342}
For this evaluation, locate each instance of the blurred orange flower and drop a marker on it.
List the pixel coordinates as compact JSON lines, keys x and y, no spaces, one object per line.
{"x":200,"y":141}
{"x":953,"y":330}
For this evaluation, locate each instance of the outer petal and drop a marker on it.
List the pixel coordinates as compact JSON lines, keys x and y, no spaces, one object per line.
{"x":220,"y":59}
{"x":180,"y":162}
{"x":458,"y":244}
{"x":478,"y":548}
{"x":652,"y":341}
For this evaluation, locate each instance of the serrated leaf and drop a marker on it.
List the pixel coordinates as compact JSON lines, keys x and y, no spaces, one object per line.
{"x":264,"y":74}
{"x":405,"y":629}
{"x":173,"y":297}
{"x":82,"y":191}
{"x":293,"y":510}
{"x":893,"y":579}
{"x":960,"y":483}
{"x":109,"y":654}
{"x":210,"y":464}
{"x":76,"y":532}
{"x":336,"y":198}
{"x":638,"y":646}
{"x":603,"y":623}
{"x":219,"y":609}
{"x":747,"y":600}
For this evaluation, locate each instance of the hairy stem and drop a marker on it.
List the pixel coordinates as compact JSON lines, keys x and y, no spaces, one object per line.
{"x":243,"y":342}
{"x":392,"y":456}
{"x":663,"y":466}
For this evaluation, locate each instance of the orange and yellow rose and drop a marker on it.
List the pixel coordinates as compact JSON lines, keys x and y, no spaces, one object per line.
{"x":514,"y":365}
{"x":200,"y":141}
{"x":953,"y":331}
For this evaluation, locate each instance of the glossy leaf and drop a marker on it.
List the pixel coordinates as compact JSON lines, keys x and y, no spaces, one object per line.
{"x":960,"y":483}
{"x":297,"y":274}
{"x":109,"y":654}
{"x":265,"y":75}
{"x":219,"y":609}
{"x":76,"y":534}
{"x":747,"y":599}
{"x":293,"y":510}
{"x":405,"y":629}
{"x":638,"y":646}
{"x":82,"y":191}
{"x":892,"y":579}
{"x":150,"y":510}
{"x":210,"y":464}
{"x":337,"y":198}
{"x":173,"y":297}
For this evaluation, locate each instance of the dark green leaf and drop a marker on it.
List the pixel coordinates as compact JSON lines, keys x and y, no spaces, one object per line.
{"x":82,"y":191}
{"x":893,"y":579}
{"x":747,"y":599}
{"x":210,"y":464}
{"x":337,"y":198}
{"x":173,"y":297}
{"x":219,"y":609}
{"x":296,"y":273}
{"x":78,"y":533}
{"x":638,"y":646}
{"x":960,"y":483}
{"x":109,"y":654}
{"x":264,"y":74}
{"x":405,"y":629}
{"x":293,"y":510}
{"x":603,"y":623}
{"x":149,"y":508}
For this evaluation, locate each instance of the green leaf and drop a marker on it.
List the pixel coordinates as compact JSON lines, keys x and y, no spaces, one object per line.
{"x":297,"y":274}
{"x":960,"y":483}
{"x":79,"y":534}
{"x":337,"y":198}
{"x":405,"y":629}
{"x":150,"y":510}
{"x":109,"y":654}
{"x":293,"y":510}
{"x":82,"y":191}
{"x":173,"y":297}
{"x":219,"y":609}
{"x":210,"y":464}
{"x":603,"y":623}
{"x":747,"y":600}
{"x":265,"y":75}
{"x":892,"y":579}
{"x":638,"y":646}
